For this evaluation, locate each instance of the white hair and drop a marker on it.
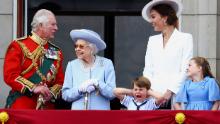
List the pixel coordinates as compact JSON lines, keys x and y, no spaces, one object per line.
{"x":93,"y":48}
{"x":40,"y":17}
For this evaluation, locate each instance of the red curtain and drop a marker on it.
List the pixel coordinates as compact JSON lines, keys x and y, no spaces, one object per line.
{"x":109,"y":117}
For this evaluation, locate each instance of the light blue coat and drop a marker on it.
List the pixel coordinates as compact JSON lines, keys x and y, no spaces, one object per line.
{"x":76,"y":74}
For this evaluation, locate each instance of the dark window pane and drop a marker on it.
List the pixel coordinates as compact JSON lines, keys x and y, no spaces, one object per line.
{"x":88,"y":5}
{"x":131,"y":36}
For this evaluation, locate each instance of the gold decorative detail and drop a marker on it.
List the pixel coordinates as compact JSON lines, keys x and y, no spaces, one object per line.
{"x":4,"y":117}
{"x":180,"y":118}
{"x":25,"y":82}
{"x":26,"y":51}
{"x":21,"y":38}
{"x":55,"y":90}
{"x":36,"y":56}
{"x":38,"y":39}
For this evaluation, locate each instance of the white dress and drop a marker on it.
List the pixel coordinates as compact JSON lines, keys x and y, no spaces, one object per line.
{"x":166,"y":67}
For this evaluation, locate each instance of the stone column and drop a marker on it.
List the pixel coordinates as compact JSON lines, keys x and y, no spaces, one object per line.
{"x":200,"y":19}
{"x":218,"y":41}
{"x":5,"y":38}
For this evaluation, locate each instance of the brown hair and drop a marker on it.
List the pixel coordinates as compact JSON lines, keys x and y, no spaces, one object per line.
{"x":206,"y":69}
{"x":141,"y":82}
{"x":167,"y":10}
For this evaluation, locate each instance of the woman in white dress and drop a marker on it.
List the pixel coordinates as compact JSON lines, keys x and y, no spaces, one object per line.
{"x":168,"y":53}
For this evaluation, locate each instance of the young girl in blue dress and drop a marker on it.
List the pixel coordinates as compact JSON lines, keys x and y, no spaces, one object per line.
{"x":201,"y":90}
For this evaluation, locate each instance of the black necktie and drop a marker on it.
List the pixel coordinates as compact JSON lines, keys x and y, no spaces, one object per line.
{"x":138,"y":106}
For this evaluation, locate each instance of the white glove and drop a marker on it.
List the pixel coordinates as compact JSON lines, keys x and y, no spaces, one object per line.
{"x":83,"y":87}
{"x":91,"y":82}
{"x":94,"y":82}
{"x":90,"y":89}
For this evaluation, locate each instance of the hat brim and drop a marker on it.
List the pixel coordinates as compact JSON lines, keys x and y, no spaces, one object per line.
{"x":81,"y":34}
{"x":177,"y":6}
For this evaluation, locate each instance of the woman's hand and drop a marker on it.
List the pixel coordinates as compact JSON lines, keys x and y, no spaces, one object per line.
{"x":177,"y":106}
{"x":90,"y":89}
{"x":167,"y":95}
{"x":158,"y":96}
{"x":88,"y":86}
{"x":154,"y":94}
{"x":215,"y":105}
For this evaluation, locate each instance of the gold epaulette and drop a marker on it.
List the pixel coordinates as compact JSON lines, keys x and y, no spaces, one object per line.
{"x":54,"y":45}
{"x":21,"y":38}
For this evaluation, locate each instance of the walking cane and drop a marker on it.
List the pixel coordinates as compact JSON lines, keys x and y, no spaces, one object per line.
{"x":86,"y":101}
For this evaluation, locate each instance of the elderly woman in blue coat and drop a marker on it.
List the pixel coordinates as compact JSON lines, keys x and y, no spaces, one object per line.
{"x":89,"y":79}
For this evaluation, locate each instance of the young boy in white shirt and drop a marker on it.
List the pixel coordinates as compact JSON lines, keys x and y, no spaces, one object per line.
{"x":141,"y":97}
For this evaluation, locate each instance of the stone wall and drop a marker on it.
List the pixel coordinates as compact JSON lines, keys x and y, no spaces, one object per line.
{"x":218,"y":41}
{"x":5,"y":38}
{"x":200,"y":19}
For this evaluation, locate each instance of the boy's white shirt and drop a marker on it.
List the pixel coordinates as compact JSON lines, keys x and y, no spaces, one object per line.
{"x":128,"y":102}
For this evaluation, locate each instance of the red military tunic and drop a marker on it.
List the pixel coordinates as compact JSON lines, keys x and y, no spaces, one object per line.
{"x":22,"y":71}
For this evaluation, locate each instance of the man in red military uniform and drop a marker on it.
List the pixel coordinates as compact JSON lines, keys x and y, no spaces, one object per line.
{"x":33,"y":66}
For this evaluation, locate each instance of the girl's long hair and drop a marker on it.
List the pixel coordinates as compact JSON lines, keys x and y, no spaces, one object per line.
{"x":206,"y":69}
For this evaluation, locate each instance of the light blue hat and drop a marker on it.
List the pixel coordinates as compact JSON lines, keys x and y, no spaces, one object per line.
{"x":89,"y":36}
